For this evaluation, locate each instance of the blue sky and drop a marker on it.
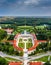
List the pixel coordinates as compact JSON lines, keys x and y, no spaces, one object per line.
{"x":25,"y":7}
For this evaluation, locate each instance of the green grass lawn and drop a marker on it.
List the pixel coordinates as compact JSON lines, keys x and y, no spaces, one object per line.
{"x":21,"y":45}
{"x":3,"y":61}
{"x":25,"y":26}
{"x":29,"y":45}
{"x":40,"y":27}
{"x":11,"y":59}
{"x":44,"y":59}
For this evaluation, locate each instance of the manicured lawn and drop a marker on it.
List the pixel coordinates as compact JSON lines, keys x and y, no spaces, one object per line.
{"x":29,"y":45}
{"x":25,"y":26}
{"x":40,"y":27}
{"x":44,"y":59}
{"x":10,"y":59}
{"x":3,"y":61}
{"x":21,"y":45}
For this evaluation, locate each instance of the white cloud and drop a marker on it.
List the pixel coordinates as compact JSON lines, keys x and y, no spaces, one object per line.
{"x":27,"y":2}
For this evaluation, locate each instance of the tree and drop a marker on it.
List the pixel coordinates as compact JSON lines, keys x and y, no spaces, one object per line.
{"x":47,"y":63}
{"x":21,"y":53}
{"x":3,"y":34}
{"x":34,"y":25}
{"x":48,"y":34}
{"x":11,"y":49}
{"x":3,"y":61}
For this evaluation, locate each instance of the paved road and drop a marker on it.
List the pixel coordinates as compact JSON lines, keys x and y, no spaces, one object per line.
{"x":5,"y":55}
{"x":39,"y":56}
{"x":29,"y":58}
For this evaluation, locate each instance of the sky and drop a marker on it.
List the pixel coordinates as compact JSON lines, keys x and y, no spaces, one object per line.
{"x":25,"y":7}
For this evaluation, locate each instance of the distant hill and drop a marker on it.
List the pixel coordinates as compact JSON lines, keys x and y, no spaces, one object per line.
{"x":25,"y":20}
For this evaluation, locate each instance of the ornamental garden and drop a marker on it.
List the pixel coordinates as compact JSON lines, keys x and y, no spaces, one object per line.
{"x":25,"y":43}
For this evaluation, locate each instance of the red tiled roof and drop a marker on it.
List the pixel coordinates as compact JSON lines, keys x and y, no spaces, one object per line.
{"x":18,"y":48}
{"x":35,"y":63}
{"x":15,"y":63}
{"x":36,"y":42}
{"x":9,"y":30}
{"x":42,"y":41}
